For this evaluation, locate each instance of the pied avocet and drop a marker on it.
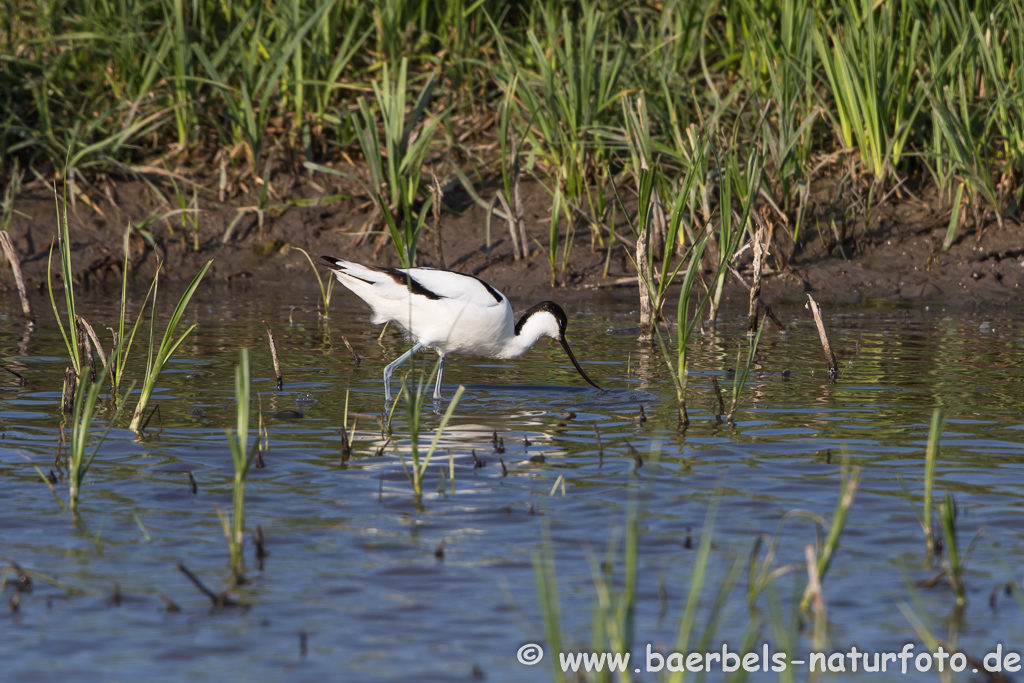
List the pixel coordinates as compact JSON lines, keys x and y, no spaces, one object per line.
{"x":450,"y":313}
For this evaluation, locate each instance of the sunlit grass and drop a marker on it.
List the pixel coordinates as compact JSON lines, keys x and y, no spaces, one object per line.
{"x":155,"y":364}
{"x":415,"y":398}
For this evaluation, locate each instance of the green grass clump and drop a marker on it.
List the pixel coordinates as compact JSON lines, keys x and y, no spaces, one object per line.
{"x":82,"y":415}
{"x":155,"y":364}
{"x":414,"y":401}
{"x":776,"y":102}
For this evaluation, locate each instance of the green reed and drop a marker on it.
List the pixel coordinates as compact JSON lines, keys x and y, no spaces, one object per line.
{"x":919,"y":89}
{"x":870,"y":73}
{"x":825,"y":550}
{"x":82,"y":415}
{"x":72,"y":333}
{"x":742,"y":179}
{"x":155,"y":364}
{"x":325,"y":291}
{"x":241,"y":460}
{"x":122,"y":344}
{"x":651,"y":218}
{"x":415,"y":398}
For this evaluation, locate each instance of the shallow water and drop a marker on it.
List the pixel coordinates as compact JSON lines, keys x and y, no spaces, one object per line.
{"x":353,"y":560}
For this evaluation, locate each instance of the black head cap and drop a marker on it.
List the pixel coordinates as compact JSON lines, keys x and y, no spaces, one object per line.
{"x":545,"y":307}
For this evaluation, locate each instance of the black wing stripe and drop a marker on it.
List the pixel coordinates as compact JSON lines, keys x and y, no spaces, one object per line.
{"x":493,"y":292}
{"x":414,"y":285}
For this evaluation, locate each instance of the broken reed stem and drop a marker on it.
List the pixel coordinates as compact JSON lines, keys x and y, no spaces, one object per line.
{"x":817,"y":597}
{"x":760,"y":250}
{"x":68,"y":395}
{"x":771,"y":314}
{"x":517,"y":253}
{"x":718,"y":394}
{"x":355,"y":356}
{"x":658,"y":221}
{"x":346,"y":446}
{"x":19,"y":280}
{"x":830,"y":358}
{"x":221,"y":600}
{"x":517,"y":195}
{"x":273,"y":354}
{"x":438,"y":193}
{"x":92,"y":336}
{"x":644,"y":277}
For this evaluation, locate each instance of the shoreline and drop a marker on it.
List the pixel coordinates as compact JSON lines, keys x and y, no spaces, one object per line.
{"x":898,"y":259}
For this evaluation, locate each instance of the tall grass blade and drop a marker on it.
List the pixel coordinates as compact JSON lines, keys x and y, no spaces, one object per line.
{"x":168,"y":345}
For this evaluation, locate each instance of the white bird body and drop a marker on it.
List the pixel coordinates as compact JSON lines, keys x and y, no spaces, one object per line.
{"x":450,"y":313}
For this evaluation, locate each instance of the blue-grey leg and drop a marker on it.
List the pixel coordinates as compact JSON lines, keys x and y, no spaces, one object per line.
{"x":440,"y":371}
{"x":390,"y":369}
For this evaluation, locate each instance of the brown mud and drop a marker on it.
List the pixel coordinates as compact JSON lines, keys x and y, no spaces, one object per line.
{"x":897,"y":258}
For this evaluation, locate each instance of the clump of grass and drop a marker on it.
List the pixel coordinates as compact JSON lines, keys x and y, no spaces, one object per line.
{"x":614,"y":615}
{"x":966,"y":150}
{"x":870,"y":73}
{"x":168,"y":345}
{"x":744,"y":181}
{"x":415,"y":399}
{"x":568,"y":73}
{"x":82,"y":416}
{"x":396,"y":166}
{"x":651,"y":220}
{"x":686,"y":323}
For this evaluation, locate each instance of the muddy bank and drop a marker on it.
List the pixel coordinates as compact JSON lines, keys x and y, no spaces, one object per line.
{"x":898,"y":257}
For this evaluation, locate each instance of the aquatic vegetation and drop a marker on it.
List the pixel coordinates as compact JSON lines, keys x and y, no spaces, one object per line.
{"x":72,"y":332}
{"x":920,"y":91}
{"x":155,"y":364}
{"x":653,"y":227}
{"x":325,"y":291}
{"x":415,"y":399}
{"x":396,"y":167}
{"x":81,"y":422}
{"x":241,"y":459}
{"x":825,"y":551}
{"x":870,"y":72}
{"x":743,"y":371}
